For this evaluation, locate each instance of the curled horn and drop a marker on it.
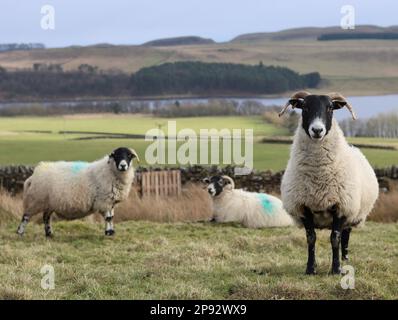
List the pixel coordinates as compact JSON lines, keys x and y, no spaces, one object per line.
{"x":231,"y":181}
{"x":297,"y":95}
{"x":135,"y":154}
{"x":337,"y":96}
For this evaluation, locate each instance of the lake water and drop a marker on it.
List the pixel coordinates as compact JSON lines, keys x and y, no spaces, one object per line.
{"x":364,"y":106}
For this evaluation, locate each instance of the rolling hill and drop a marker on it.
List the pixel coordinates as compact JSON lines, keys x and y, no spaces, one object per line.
{"x":311,"y":33}
{"x":356,"y":67}
{"x":179,"y":41}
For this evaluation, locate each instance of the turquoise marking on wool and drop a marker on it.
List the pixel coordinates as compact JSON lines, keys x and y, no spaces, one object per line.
{"x":79,"y":166}
{"x":266,"y":203}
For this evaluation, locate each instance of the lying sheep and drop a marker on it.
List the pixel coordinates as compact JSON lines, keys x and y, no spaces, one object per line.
{"x":77,"y":189}
{"x":327,"y":183}
{"x":253,"y":210}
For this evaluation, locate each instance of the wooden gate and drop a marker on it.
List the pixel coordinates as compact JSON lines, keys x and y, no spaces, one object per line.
{"x":161,"y":183}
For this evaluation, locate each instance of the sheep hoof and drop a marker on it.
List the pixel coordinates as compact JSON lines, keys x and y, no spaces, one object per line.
{"x":336,"y":271}
{"x":49,"y":235}
{"x":310,"y":271}
{"x":344,"y":258}
{"x":109,"y":232}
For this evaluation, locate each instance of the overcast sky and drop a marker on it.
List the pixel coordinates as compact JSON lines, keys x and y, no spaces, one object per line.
{"x":83,"y":22}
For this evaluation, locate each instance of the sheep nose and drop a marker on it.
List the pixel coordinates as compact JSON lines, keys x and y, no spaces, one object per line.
{"x":317,"y":131}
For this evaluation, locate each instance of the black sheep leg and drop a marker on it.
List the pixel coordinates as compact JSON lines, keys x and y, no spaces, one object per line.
{"x":335,"y":240}
{"x":109,"y":231}
{"x":22,"y":225}
{"x":345,"y":238}
{"x":308,"y":222}
{"x":47,"y":224}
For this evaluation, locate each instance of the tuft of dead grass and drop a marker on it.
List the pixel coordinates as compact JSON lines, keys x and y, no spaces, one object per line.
{"x":193,"y":205}
{"x":10,"y":207}
{"x":386,"y":208}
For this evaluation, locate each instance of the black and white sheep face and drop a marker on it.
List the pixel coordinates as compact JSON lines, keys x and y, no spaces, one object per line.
{"x":123,"y":158}
{"x":317,"y":114}
{"x":215,"y":185}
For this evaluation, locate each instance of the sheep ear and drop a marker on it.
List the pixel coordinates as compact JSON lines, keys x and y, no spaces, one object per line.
{"x":206,"y":180}
{"x":110,"y":156}
{"x":338,"y":104}
{"x":135,"y":155}
{"x":296,"y":103}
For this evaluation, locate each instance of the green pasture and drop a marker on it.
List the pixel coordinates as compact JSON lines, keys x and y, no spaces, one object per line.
{"x":20,"y":143}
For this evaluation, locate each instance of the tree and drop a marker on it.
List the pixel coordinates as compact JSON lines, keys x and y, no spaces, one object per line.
{"x":116,"y":108}
{"x":86,"y":68}
{"x":193,"y":77}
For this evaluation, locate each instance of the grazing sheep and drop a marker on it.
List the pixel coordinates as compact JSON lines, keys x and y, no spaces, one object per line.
{"x":253,"y":210}
{"x":327,"y":183}
{"x":77,"y":189}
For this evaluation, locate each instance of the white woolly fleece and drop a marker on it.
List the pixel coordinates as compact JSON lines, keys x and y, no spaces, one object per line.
{"x":253,"y":210}
{"x":75,"y":189}
{"x":323,"y":173}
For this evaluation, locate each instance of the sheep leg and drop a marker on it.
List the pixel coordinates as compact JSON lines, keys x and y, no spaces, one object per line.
{"x":22,"y":225}
{"x":47,"y":224}
{"x":308,"y":222}
{"x":335,"y":240}
{"x":345,"y":238}
{"x":109,"y":231}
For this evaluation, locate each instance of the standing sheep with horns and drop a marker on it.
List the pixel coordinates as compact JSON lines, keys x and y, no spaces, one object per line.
{"x":327,"y":183}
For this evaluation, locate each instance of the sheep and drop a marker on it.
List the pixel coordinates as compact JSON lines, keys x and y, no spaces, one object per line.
{"x":77,"y":189}
{"x":327,"y":183}
{"x":253,"y":210}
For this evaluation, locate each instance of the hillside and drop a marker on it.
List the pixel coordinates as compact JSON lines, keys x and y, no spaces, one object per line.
{"x":311,"y":33}
{"x":178,"y":41}
{"x":357,"y":67}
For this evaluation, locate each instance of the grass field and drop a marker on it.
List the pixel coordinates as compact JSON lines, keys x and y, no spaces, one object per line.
{"x":180,"y":260}
{"x":133,"y":124}
{"x":191,"y":261}
{"x":22,"y":147}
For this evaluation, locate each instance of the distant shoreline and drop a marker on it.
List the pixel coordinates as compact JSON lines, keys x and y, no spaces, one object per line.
{"x":181,"y":97}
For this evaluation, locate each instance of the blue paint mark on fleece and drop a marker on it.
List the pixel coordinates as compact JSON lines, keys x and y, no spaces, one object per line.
{"x":79,"y":166}
{"x":266,"y":203}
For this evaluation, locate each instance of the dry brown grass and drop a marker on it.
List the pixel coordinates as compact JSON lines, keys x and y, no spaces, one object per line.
{"x":10,"y":207}
{"x":386,"y":208}
{"x":193,"y":205}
